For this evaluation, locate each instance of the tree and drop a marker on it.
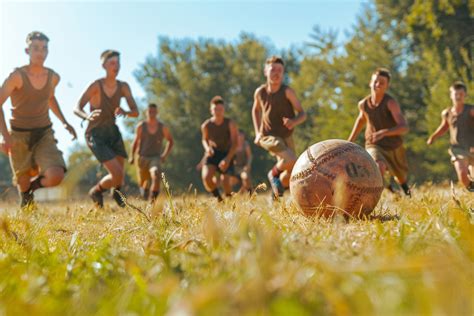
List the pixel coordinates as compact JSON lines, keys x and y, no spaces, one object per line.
{"x":183,"y":78}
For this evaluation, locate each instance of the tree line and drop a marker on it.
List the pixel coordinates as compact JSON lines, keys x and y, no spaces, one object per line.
{"x":426,"y":44}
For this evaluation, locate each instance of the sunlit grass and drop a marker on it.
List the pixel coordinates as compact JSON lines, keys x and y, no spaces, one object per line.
{"x":191,"y":255}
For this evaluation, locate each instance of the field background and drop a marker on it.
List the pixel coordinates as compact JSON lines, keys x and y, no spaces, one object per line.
{"x":189,"y":255}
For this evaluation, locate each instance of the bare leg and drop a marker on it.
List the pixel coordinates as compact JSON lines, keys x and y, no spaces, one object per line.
{"x":462,"y":170}
{"x":226,"y":185}
{"x":209,"y":181}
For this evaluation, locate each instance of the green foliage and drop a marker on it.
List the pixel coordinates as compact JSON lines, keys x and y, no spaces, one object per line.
{"x":184,"y":77}
{"x":426,"y":44}
{"x":329,"y":78}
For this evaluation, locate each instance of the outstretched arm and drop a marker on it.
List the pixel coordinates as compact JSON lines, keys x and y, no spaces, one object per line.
{"x":54,"y":106}
{"x":300,"y":113}
{"x":442,"y":128}
{"x":208,"y":150}
{"x":400,"y":129}
{"x":85,"y":98}
{"x":257,"y":116}
{"x":127,"y":93}
{"x":234,"y":134}
{"x":358,"y":124}
{"x":13,"y":82}
{"x":138,"y":135}
{"x":167,"y":135}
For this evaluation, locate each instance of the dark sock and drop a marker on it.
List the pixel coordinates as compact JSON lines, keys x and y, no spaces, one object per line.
{"x":154,"y":194}
{"x":217,"y":194}
{"x":406,"y":189}
{"x":99,"y":188}
{"x":36,"y":184}
{"x":470,"y":187}
{"x":118,"y":196}
{"x":26,"y":198}
{"x":114,"y":190}
{"x":276,"y":172}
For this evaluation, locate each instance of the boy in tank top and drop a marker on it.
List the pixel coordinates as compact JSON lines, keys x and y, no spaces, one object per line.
{"x":219,"y":139}
{"x":243,"y":164}
{"x":34,"y":156}
{"x":147,"y":146}
{"x":385,"y":127}
{"x":459,"y":120}
{"x":276,"y":112}
{"x":102,"y":134}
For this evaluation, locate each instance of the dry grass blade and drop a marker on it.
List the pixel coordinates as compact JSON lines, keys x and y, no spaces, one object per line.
{"x":133,"y":207}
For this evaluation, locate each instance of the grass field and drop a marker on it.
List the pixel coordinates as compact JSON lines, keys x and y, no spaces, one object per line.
{"x":248,"y":256}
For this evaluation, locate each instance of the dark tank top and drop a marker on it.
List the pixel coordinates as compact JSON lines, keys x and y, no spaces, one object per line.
{"x":275,"y":106}
{"x":150,"y":144}
{"x":380,"y":117}
{"x":30,"y":106}
{"x":240,"y":158}
{"x":219,"y":134}
{"x":108,"y":106}
{"x":461,"y":127}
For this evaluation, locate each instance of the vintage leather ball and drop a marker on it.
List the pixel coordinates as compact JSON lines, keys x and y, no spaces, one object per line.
{"x":336,"y":177}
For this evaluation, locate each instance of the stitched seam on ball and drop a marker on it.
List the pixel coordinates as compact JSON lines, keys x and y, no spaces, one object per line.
{"x":316,"y":166}
{"x":354,"y":201}
{"x":360,"y":189}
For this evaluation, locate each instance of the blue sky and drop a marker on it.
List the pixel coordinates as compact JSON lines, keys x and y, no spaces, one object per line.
{"x":79,"y":31}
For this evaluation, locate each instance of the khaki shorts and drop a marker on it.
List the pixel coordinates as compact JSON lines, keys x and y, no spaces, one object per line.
{"x":458,"y":153}
{"x":395,"y":159}
{"x":43,"y":155}
{"x":144,"y":164}
{"x":282,"y":148}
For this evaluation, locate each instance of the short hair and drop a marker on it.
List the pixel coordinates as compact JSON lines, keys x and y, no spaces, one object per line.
{"x":109,"y":53}
{"x":458,"y":85}
{"x":217,"y":100}
{"x":384,"y":72}
{"x":274,"y":60}
{"x":152,"y":106}
{"x":36,"y":35}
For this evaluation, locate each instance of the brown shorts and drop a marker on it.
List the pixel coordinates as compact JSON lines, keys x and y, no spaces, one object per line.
{"x":144,"y":164}
{"x":395,"y":159}
{"x":43,"y":155}
{"x":458,"y":153}
{"x":282,"y":148}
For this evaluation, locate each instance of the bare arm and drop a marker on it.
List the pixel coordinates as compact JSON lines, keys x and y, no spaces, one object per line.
{"x":85,"y":98}
{"x":54,"y":106}
{"x":136,"y":142}
{"x":442,"y":128}
{"x":400,"y":129}
{"x":257,"y":116}
{"x":358,"y":124}
{"x":225,"y":163}
{"x":11,"y":83}
{"x":300,"y":113}
{"x":208,"y":150}
{"x":169,"y":144}
{"x":234,"y":135}
{"x":127,"y":93}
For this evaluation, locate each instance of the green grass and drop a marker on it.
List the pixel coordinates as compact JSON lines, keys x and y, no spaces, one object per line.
{"x":193,"y":256}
